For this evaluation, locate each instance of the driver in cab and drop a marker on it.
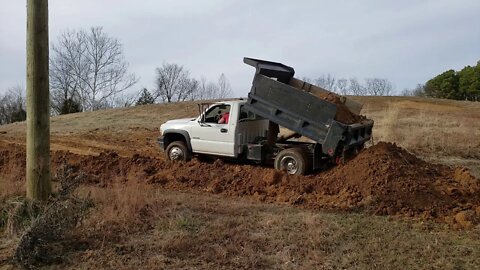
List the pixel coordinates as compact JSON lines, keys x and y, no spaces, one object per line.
{"x":224,"y":118}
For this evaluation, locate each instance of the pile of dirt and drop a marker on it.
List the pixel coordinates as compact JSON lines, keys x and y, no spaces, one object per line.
{"x":387,"y":179}
{"x":383,"y":179}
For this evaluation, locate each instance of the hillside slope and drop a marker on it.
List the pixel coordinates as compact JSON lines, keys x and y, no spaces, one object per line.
{"x":429,"y":126}
{"x":445,"y":131}
{"x":148,"y":211}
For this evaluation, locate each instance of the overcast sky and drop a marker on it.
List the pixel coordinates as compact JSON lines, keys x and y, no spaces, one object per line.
{"x":405,"y":41}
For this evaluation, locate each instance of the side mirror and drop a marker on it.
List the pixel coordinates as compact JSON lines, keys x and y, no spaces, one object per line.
{"x":201,"y":120}
{"x":201,"y":115}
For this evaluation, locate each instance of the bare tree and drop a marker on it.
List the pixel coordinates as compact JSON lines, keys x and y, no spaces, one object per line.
{"x":203,"y":91}
{"x":342,"y":87}
{"x":88,"y":66}
{"x":190,"y":89}
{"x":173,"y":83}
{"x":65,"y":85}
{"x":378,"y":87}
{"x":307,"y":80}
{"x":224,"y":88}
{"x":406,"y":92}
{"x":206,"y":90}
{"x":13,"y":106}
{"x":124,"y":100}
{"x":418,"y":91}
{"x":211,"y":90}
{"x":327,"y":82}
{"x":352,"y":86}
{"x":356,"y":88}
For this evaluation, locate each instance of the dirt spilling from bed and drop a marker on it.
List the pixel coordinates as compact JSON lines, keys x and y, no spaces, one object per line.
{"x":343,"y":114}
{"x":384,"y":180}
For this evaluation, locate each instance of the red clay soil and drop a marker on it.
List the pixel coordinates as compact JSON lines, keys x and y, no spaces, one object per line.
{"x":343,"y":115}
{"x":383,"y":179}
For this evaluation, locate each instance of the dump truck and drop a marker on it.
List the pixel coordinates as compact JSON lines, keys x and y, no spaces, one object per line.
{"x":248,"y":129}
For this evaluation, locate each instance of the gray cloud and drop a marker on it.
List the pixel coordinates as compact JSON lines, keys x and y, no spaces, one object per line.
{"x":404,"y":41}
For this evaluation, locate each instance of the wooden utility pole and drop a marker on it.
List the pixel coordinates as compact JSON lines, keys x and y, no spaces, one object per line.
{"x":38,"y":102}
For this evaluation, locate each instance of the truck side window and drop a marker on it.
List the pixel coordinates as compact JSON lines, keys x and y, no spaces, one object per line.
{"x":215,"y":113}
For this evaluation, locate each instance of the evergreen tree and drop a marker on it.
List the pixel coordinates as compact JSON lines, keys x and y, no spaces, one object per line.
{"x":460,"y":85}
{"x":19,"y":115}
{"x":145,"y":98}
{"x":469,"y":83}
{"x":70,"y":106}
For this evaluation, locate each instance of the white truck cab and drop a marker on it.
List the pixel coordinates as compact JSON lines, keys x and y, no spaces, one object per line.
{"x":207,"y":134}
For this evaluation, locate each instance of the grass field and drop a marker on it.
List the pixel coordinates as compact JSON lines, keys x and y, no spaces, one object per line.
{"x":137,"y":224}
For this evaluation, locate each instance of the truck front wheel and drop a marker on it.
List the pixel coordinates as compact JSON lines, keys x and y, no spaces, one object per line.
{"x":292,"y":160}
{"x":178,"y":151}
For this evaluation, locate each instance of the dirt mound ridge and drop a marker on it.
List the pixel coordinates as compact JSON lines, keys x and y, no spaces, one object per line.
{"x":384,"y":180}
{"x":390,"y":180}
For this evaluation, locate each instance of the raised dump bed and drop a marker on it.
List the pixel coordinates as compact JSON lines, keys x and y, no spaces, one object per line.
{"x":330,"y":120}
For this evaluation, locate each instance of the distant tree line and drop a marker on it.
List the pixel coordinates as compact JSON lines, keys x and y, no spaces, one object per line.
{"x":88,"y":72}
{"x":352,"y":86}
{"x":173,"y":83}
{"x":451,"y":84}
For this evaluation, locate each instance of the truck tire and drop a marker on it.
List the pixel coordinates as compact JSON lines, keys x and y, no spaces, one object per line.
{"x":293,"y":161}
{"x":178,"y":151}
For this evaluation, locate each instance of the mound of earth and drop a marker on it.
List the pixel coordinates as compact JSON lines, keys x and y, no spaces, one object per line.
{"x":389,"y":180}
{"x":383,"y":179}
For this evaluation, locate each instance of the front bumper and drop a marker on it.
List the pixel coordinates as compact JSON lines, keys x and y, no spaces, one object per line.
{"x":161,"y":142}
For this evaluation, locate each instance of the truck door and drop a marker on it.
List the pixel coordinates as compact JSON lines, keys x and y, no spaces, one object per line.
{"x":212,"y":135}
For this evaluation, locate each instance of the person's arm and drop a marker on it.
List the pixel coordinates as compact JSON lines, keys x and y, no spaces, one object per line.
{"x":222,"y":120}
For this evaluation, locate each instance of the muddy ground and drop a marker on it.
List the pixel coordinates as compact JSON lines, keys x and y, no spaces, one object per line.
{"x":383,"y":180}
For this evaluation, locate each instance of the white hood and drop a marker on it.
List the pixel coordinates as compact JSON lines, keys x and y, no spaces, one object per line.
{"x":181,"y":124}
{"x":180,"y":121}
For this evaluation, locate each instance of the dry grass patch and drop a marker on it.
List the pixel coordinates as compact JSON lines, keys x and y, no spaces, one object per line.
{"x":428,"y":127}
{"x":12,"y":172}
{"x":199,"y":231}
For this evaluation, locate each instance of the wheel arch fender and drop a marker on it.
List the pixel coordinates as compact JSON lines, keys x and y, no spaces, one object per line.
{"x":171,"y":135}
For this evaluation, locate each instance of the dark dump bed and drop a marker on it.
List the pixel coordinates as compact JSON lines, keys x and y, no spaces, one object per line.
{"x":276,"y":95}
